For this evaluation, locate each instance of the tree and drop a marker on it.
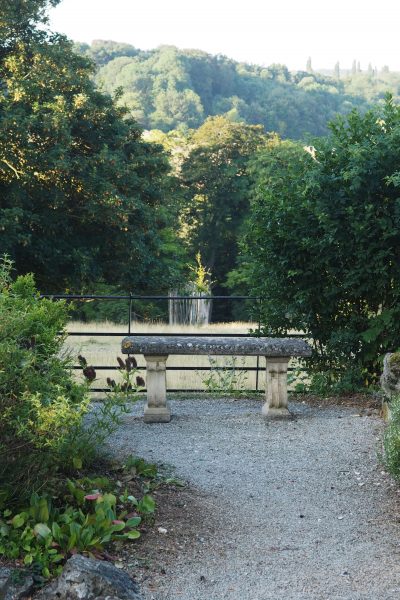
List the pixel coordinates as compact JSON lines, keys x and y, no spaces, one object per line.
{"x":19,"y":20}
{"x":168,"y":88}
{"x":215,"y":178}
{"x":83,"y":199}
{"x":323,"y":241}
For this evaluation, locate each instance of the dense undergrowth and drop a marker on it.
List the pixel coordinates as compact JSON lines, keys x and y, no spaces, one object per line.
{"x":52,"y":501}
{"x":391,"y":440}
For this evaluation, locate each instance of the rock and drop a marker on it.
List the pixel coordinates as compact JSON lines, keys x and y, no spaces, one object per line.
{"x":174,"y":344}
{"x":390,"y":378}
{"x":107,"y":598}
{"x":15,"y":584}
{"x":88,"y":579}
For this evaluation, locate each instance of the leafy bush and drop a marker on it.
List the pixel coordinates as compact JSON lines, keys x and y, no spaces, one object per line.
{"x":42,"y":407}
{"x":117,"y":311}
{"x":391,"y":440}
{"x":225,"y":379}
{"x":85,"y":519}
{"x":328,"y":383}
{"x":321,"y":242}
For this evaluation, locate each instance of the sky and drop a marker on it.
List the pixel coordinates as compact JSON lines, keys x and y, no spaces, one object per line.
{"x":255,"y":31}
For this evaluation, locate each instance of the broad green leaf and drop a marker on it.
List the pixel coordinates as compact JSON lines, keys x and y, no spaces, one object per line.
{"x":19,"y":520}
{"x":133,"y":522}
{"x":147,"y":504}
{"x":42,"y":530}
{"x":133,"y":535}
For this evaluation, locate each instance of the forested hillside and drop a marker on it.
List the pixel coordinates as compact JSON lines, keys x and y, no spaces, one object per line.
{"x":168,"y":88}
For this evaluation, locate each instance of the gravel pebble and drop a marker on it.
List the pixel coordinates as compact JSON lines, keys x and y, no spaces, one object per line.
{"x":303,"y":508}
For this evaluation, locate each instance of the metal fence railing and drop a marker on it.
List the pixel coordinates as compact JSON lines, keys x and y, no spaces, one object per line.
{"x":255,"y":311}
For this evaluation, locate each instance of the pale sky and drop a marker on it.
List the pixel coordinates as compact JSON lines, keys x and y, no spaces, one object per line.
{"x":262,"y":32}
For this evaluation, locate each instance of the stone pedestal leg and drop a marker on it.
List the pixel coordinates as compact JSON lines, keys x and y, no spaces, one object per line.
{"x":276,"y":388}
{"x":156,"y":409}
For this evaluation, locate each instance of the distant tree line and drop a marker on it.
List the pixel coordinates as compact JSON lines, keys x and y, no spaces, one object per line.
{"x":168,"y":88}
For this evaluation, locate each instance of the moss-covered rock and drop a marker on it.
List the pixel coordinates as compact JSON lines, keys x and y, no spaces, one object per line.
{"x":390,"y":379}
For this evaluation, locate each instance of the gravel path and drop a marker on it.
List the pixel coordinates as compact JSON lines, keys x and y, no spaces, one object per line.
{"x":302,"y":508}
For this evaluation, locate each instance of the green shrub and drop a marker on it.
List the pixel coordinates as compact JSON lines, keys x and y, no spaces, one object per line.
{"x":225,"y":378}
{"x":117,"y":311}
{"x":84,"y":519}
{"x":391,"y":440}
{"x":42,"y":406}
{"x":336,"y":383}
{"x":321,"y":242}
{"x":40,"y":403}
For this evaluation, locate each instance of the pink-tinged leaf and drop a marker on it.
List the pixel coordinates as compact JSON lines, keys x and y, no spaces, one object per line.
{"x":92,"y":496}
{"x":118,"y":522}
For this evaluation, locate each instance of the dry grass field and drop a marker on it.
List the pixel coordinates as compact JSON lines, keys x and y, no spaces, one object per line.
{"x":103,"y":350}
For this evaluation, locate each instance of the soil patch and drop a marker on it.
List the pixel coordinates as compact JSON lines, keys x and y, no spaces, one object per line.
{"x":183,"y":526}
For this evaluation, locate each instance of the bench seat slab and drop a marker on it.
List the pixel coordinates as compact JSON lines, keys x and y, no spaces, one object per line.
{"x":228,"y":346}
{"x":277,"y":352}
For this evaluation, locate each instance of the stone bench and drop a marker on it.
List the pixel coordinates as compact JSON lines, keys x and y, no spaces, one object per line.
{"x":156,"y":349}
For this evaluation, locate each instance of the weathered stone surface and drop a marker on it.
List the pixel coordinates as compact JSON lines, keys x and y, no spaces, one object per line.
{"x":107,"y":598}
{"x":251,"y":346}
{"x":156,"y":349}
{"x":156,"y":409}
{"x":276,"y":400}
{"x":88,"y":579}
{"x":390,"y":378}
{"x":15,"y":584}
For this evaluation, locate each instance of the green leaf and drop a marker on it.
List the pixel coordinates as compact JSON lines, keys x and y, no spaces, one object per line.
{"x":118,"y":527}
{"x":77,"y":462}
{"x":43,"y":510}
{"x":133,"y":535}
{"x":57,"y":558}
{"x":147,"y":504}
{"x":19,"y":520}
{"x":56,"y":531}
{"x":109,"y":499}
{"x":42,"y":530}
{"x":133,"y":522}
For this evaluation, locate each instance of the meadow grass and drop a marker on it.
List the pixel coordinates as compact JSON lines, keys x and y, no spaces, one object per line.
{"x":103,"y":350}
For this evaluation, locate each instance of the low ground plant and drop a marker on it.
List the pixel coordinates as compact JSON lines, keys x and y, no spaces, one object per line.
{"x":85,"y":515}
{"x":391,"y":440}
{"x":227,"y":377}
{"x":334,"y":383}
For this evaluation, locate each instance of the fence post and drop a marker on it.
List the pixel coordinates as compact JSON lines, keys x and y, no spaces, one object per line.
{"x":130,"y":313}
{"x":259,"y":331}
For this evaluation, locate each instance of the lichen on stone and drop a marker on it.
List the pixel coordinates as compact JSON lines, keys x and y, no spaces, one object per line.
{"x":394,"y":362}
